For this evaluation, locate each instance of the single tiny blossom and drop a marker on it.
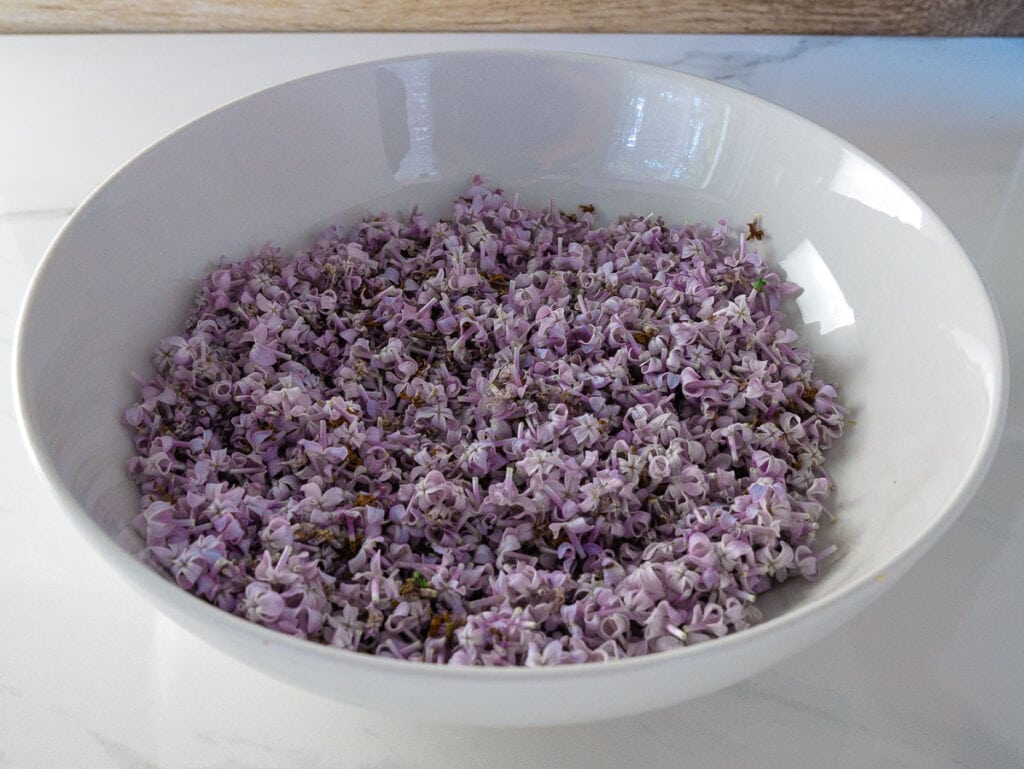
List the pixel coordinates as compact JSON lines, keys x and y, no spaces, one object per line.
{"x":511,"y":437}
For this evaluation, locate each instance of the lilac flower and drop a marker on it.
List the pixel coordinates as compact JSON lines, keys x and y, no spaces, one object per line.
{"x":262,"y":604}
{"x":513,"y":437}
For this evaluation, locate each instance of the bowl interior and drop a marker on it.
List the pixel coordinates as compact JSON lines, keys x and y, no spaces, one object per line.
{"x":891,"y":305}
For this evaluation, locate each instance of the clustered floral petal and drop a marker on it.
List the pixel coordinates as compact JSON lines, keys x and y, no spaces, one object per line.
{"x":509,"y":437}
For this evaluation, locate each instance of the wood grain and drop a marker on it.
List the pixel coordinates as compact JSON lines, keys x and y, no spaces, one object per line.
{"x":849,"y":17}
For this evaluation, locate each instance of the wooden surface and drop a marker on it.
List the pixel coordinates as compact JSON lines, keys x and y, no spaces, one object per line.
{"x":843,"y":17}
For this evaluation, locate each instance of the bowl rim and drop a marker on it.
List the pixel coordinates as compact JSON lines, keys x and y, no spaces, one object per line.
{"x":856,"y":595}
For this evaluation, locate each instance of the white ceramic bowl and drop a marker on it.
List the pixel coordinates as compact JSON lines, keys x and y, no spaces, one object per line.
{"x":892,"y":306}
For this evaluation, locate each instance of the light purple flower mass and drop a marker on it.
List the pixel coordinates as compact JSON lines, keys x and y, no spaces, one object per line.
{"x":509,"y":437}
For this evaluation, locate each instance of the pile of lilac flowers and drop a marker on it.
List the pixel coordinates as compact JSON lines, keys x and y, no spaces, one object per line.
{"x":511,"y":437}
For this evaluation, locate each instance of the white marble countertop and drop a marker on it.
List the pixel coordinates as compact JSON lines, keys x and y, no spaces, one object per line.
{"x":930,"y":676}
